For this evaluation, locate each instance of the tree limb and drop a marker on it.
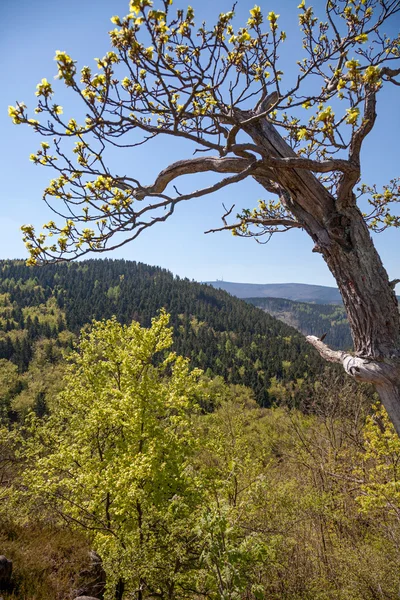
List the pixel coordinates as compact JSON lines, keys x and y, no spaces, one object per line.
{"x":192,"y":166}
{"x":378,"y":373}
{"x":336,"y":356}
{"x":286,"y":223}
{"x":345,"y":189}
{"x":366,"y":126}
{"x":325,"y":166}
{"x":390,"y":74}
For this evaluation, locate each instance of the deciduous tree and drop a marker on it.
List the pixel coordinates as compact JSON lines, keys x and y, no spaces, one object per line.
{"x":112,"y":458}
{"x":299,"y":135}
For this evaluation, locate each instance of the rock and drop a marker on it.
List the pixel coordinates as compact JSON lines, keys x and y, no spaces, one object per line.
{"x":92,"y":580}
{"x":5,"y":572}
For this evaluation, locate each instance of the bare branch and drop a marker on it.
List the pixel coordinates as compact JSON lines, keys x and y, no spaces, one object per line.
{"x":326,"y":166}
{"x":390,"y":74}
{"x":192,"y":166}
{"x":366,"y":126}
{"x":382,"y":374}
{"x":345,"y":194}
{"x":286,"y":223}
{"x":336,"y":356}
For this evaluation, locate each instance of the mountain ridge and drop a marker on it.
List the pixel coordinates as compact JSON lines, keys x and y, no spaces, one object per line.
{"x":300,"y":292}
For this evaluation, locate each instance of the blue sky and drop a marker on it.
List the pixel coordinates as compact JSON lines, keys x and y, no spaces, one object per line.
{"x":31,"y":32}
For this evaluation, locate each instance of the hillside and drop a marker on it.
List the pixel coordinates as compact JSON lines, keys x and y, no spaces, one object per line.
{"x":219,"y":333}
{"x":135,"y":437}
{"x":310,"y":319}
{"x":301,"y":292}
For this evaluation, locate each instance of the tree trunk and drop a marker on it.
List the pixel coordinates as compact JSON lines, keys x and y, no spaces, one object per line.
{"x":389,"y":393}
{"x":119,"y":590}
{"x":342,"y":237}
{"x":369,"y":300}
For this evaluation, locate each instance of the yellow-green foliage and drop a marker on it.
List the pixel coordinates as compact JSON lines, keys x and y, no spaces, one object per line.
{"x":46,"y":313}
{"x":380,"y":468}
{"x":112,"y":457}
{"x":44,"y":377}
{"x":5,"y":310}
{"x":285,"y":489}
{"x":242,"y":503}
{"x":4,"y":300}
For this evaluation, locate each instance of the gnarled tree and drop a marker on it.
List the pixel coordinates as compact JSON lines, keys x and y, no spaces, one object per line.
{"x":299,"y":135}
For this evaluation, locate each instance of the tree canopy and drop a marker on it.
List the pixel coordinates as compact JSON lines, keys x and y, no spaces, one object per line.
{"x":209,"y":85}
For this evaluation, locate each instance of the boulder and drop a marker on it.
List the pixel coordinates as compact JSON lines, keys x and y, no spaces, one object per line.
{"x":5,"y":572}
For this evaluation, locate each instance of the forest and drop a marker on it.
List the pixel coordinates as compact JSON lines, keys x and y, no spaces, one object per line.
{"x":311,"y":319}
{"x":118,"y":441}
{"x":47,"y":307}
{"x":159,"y":438}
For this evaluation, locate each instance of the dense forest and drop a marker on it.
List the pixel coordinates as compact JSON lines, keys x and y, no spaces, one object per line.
{"x":219,"y":333}
{"x":310,"y":319}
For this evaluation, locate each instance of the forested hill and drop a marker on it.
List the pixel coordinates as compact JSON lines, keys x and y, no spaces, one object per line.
{"x":221,"y":334}
{"x":310,"y":319}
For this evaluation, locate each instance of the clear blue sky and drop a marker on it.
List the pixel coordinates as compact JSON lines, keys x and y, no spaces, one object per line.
{"x":30,"y":34}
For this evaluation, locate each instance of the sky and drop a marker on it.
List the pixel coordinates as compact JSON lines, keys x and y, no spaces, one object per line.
{"x":31,"y":32}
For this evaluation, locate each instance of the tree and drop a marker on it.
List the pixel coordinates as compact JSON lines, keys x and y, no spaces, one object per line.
{"x":9,"y":384}
{"x":111,"y":459}
{"x":222,"y":89}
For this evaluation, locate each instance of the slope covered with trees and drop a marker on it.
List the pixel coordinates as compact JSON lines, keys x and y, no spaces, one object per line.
{"x":220,"y":334}
{"x":310,"y":319}
{"x":243,"y":503}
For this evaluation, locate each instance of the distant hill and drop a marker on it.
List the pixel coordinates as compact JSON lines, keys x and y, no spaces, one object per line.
{"x":310,"y":319}
{"x":302,"y":292}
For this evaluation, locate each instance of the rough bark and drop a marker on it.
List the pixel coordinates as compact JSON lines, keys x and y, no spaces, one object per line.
{"x":389,"y":394}
{"x":369,"y":299}
{"x":342,"y":237}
